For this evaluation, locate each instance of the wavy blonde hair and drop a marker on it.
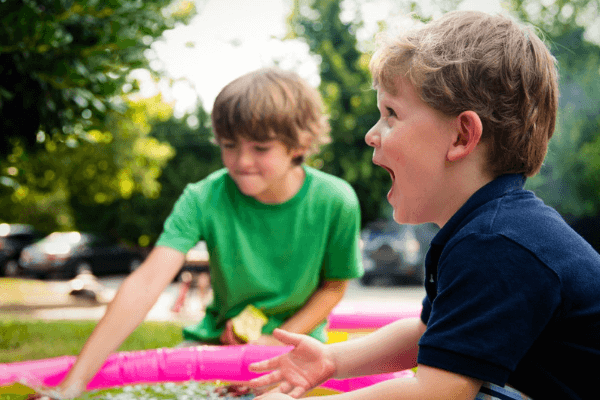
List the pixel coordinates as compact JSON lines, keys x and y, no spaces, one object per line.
{"x":268,"y":104}
{"x":469,"y":60}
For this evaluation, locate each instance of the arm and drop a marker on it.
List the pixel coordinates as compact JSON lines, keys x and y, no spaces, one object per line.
{"x":391,"y":348}
{"x":317,"y":308}
{"x":428,"y":384}
{"x":394,"y":348}
{"x":135,"y":297}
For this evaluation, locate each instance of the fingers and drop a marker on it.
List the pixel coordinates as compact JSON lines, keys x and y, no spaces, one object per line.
{"x":266,"y":380}
{"x":286,"y":337}
{"x":266,"y":365}
{"x":284,"y":388}
{"x":290,"y":390}
{"x":297,"y":392}
{"x":228,"y":337}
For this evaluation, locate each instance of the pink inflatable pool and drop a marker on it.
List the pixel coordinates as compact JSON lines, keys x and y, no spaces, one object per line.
{"x":201,"y":363}
{"x":210,"y":363}
{"x":370,"y":315}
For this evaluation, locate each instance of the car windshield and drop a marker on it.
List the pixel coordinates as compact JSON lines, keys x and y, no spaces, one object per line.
{"x":63,"y":242}
{"x":69,"y":238}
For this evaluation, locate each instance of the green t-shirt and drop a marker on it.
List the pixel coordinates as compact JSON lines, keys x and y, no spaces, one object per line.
{"x":273,"y":256}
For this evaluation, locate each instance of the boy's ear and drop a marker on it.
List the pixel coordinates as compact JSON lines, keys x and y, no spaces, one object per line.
{"x":467,"y":135}
{"x":297,"y":152}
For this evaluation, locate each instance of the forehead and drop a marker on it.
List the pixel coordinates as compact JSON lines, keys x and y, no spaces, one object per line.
{"x":404,"y":92}
{"x":249,"y":137}
{"x":407,"y":101}
{"x":243,"y":140}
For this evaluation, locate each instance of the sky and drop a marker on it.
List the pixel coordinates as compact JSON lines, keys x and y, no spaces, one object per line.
{"x":228,"y":38}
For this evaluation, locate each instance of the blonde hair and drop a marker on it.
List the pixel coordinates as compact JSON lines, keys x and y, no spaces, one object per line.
{"x":271,"y":104}
{"x":469,"y":60}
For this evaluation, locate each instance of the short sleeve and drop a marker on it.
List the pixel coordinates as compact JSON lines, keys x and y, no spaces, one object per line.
{"x":494,"y":299}
{"x":182,"y":228}
{"x":342,"y":257}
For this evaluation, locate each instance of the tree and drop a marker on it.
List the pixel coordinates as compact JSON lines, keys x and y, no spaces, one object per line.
{"x":63,"y":63}
{"x":195,"y":158}
{"x":84,"y":184}
{"x":569,"y":179}
{"x":350,"y":100}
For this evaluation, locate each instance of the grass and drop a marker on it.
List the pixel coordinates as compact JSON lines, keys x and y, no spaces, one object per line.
{"x":23,"y":340}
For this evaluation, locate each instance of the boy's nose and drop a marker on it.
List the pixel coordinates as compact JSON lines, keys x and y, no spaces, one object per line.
{"x":244,"y":159}
{"x":372,"y":137}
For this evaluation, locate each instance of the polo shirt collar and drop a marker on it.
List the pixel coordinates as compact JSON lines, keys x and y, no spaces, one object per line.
{"x":493,"y":190}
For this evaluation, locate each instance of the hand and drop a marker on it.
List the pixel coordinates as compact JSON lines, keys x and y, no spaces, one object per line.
{"x":57,"y":393}
{"x":266,"y":340}
{"x":307,"y":366}
{"x":228,"y":337}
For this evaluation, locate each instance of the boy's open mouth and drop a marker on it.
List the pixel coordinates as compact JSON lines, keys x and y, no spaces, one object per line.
{"x":389,"y":195}
{"x":391,"y":173}
{"x":388,"y":170}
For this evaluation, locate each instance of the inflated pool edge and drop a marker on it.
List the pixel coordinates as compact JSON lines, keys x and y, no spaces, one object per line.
{"x":202,"y":363}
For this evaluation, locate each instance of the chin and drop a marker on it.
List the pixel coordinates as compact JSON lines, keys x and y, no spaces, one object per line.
{"x":401,"y":219}
{"x":406,"y":218}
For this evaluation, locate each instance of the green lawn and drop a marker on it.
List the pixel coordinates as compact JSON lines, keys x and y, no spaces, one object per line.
{"x":22,"y":340}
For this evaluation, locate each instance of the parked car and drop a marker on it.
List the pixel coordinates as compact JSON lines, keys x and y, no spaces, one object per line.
{"x":13,"y":238}
{"x":67,"y":254}
{"x":395,"y":253}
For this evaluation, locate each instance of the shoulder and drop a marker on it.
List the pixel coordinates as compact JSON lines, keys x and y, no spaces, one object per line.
{"x":520,"y":225}
{"x":519,"y":215}
{"x":210,"y":186}
{"x":331,"y":186}
{"x":216,"y":178}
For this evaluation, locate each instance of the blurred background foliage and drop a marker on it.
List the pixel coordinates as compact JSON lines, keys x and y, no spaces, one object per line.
{"x":80,"y":149}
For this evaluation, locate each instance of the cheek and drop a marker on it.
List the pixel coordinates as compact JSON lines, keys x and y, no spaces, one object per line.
{"x":227,"y":158}
{"x":395,"y":149}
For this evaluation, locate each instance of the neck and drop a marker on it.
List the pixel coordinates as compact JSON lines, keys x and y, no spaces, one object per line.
{"x":289,"y":186}
{"x":465,"y":178}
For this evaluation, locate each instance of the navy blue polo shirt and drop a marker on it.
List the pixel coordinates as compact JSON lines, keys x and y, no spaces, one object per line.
{"x":513,"y":296}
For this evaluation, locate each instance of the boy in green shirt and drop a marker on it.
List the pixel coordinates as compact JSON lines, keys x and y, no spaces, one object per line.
{"x":282,"y":237}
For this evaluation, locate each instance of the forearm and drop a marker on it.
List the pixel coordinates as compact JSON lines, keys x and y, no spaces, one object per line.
{"x":122,"y":316}
{"x":391,"y":348}
{"x":428,"y":384}
{"x":317,"y":308}
{"x":135,"y":297}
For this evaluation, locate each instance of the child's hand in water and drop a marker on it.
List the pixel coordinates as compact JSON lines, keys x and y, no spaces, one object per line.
{"x":38,"y":396}
{"x":232,"y":390}
{"x":56,"y":393}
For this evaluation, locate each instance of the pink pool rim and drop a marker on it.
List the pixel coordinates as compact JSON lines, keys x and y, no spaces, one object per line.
{"x":371,"y":315}
{"x":210,"y":363}
{"x":201,"y":363}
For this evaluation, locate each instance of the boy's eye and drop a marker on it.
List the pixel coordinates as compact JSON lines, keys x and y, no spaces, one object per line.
{"x":390,"y":112}
{"x":261,"y":149}
{"x":228,"y":145}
